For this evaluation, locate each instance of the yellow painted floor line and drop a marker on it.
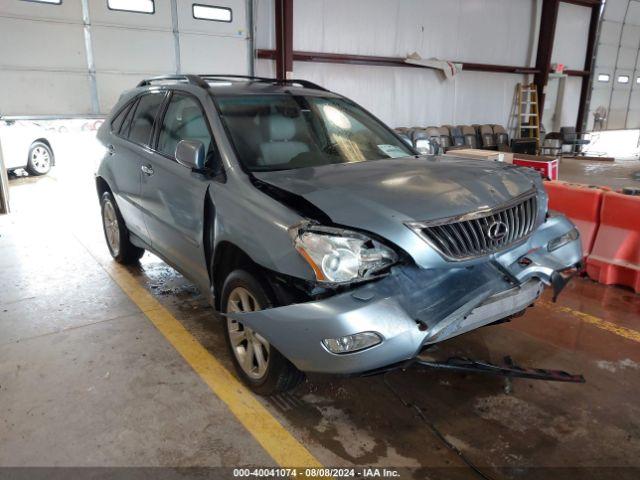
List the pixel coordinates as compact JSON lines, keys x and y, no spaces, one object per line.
{"x":624,"y":332}
{"x":270,"y":434}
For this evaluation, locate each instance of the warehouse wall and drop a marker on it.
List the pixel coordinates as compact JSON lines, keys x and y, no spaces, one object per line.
{"x":618,"y":54}
{"x":480,"y":31}
{"x":76,"y":58}
{"x":43,"y":65}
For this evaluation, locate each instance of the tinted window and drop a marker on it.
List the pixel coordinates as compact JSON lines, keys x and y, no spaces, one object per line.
{"x":184,"y":120}
{"x":126,"y":124}
{"x":117,"y":121}
{"x":144,"y":117}
{"x":280,"y":132}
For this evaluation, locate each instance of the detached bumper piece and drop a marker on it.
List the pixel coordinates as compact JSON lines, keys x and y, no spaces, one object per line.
{"x":467,"y":365}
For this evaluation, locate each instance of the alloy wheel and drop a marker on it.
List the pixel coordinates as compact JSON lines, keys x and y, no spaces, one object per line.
{"x":111,"y":228}
{"x":249,"y":347}
{"x":40,"y":159}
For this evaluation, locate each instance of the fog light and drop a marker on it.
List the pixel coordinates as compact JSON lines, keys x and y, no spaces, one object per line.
{"x":352,"y":343}
{"x":562,"y":240}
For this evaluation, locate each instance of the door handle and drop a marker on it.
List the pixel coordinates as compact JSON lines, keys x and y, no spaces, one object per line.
{"x":147,"y":169}
{"x":110,"y":149}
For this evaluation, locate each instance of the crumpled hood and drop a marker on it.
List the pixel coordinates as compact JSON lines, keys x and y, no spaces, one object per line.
{"x":406,"y":189}
{"x":381,"y":196}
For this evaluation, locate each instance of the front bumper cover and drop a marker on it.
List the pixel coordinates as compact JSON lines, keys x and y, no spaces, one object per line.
{"x":413,"y":307}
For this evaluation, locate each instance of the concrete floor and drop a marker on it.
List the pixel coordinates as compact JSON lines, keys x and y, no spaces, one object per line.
{"x":87,"y":380}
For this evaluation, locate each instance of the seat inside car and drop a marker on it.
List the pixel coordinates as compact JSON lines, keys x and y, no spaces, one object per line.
{"x":281,"y":145}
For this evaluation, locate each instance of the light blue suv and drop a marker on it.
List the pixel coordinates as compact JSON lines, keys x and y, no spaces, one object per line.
{"x":326,"y":242}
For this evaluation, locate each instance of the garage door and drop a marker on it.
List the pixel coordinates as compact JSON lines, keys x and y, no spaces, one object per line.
{"x":75,"y":57}
{"x":616,"y":84}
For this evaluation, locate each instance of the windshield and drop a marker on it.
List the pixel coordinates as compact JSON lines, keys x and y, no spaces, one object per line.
{"x":282,"y":132}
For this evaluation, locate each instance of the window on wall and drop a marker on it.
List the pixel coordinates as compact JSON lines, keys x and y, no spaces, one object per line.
{"x":623,"y":79}
{"x":51,"y":2}
{"x":603,"y":77}
{"x":209,"y":12}
{"x":137,"y":6}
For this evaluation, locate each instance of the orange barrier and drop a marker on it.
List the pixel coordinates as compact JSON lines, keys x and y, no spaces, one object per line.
{"x":581,"y":204}
{"x":615,"y":257}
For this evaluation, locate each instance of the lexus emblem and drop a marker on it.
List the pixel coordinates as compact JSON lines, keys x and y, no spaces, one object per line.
{"x":497,"y":230}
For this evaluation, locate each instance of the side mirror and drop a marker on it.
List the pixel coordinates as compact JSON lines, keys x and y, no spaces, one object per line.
{"x":190,"y":153}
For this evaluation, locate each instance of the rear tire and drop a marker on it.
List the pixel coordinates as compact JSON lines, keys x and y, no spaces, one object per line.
{"x":259,"y":365}
{"x":40,"y":158}
{"x":116,"y":233}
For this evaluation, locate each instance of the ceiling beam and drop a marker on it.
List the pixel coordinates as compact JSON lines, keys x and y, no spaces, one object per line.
{"x":378,"y":61}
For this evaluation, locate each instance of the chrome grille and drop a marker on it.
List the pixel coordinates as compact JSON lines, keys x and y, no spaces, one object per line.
{"x":481,"y":233}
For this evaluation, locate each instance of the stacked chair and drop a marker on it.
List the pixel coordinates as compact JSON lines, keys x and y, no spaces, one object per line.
{"x":436,"y":140}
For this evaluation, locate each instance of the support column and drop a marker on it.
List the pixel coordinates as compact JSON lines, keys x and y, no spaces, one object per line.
{"x":548,"y":20}
{"x":176,"y":35}
{"x":284,"y":39}
{"x":589,"y":60}
{"x":91,"y":64}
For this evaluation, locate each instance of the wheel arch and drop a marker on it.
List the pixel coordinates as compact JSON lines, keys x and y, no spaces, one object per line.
{"x":102,"y":186}
{"x":226,"y":258}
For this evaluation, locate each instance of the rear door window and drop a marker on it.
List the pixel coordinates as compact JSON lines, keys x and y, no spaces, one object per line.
{"x":118,"y":120}
{"x":126,"y":123}
{"x":144,"y":118}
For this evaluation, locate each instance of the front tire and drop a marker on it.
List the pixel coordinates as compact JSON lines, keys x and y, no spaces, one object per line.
{"x":116,"y":233}
{"x":258,"y":364}
{"x":40,"y":158}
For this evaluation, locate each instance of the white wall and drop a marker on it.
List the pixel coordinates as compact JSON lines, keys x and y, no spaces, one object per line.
{"x":499,"y":32}
{"x":569,"y":48}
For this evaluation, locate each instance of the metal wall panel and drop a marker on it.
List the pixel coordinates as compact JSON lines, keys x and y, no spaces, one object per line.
{"x":41,"y":55}
{"x":572,"y":32}
{"x":65,"y":60}
{"x":69,"y":11}
{"x":454,"y":30}
{"x":208,"y":54}
{"x":33,"y":92}
{"x":618,"y":55}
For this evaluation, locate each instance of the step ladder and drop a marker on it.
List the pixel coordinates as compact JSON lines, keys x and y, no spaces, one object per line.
{"x":528,"y":121}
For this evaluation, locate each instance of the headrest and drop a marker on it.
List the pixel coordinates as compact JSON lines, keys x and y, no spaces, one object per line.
{"x":486,"y":130}
{"x":190,"y":113}
{"x":444,"y":131}
{"x":432,"y":131}
{"x":498,"y":129}
{"x":467,"y":130}
{"x":280,"y":128}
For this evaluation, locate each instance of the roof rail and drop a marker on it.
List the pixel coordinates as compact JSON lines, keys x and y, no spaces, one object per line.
{"x":200,"y":80}
{"x":191,"y":79}
{"x":303,"y":83}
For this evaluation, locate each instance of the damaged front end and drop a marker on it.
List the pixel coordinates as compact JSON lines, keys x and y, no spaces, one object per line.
{"x":438,"y":279}
{"x":391,"y":319}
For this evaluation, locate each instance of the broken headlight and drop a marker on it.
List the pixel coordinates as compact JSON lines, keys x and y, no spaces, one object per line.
{"x":341,"y":256}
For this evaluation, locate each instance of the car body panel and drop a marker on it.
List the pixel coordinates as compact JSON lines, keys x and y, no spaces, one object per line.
{"x":383,"y":196}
